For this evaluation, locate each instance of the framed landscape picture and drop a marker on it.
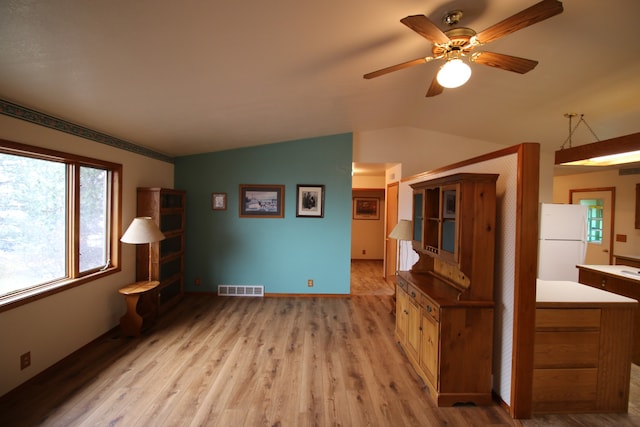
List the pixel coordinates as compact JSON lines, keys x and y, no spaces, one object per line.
{"x":366,"y":208}
{"x":261,"y":201}
{"x":310,"y":201}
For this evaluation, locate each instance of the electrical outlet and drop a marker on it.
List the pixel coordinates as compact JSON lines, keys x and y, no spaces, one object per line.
{"x":310,"y":283}
{"x":25,"y":360}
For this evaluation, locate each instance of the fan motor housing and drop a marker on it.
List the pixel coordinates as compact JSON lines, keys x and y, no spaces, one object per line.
{"x":459,"y":40}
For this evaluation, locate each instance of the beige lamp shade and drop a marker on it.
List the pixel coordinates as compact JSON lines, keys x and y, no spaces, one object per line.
{"x":402,"y":231}
{"x":142,"y":230}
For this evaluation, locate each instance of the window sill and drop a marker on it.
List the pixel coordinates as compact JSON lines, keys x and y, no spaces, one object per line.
{"x":30,"y":295}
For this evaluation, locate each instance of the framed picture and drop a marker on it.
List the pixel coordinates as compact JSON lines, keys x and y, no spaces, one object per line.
{"x":219,"y":201}
{"x":310,"y":201}
{"x":366,"y":208}
{"x":261,"y":201}
{"x":449,"y":204}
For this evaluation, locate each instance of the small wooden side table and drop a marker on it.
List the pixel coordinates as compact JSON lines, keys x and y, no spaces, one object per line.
{"x":142,"y":307}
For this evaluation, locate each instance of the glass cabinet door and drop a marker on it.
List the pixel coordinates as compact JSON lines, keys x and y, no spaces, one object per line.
{"x":417,"y":220}
{"x":448,"y":236}
{"x":432,"y":219}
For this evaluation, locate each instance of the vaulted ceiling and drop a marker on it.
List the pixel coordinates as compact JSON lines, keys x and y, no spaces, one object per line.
{"x":197,"y":76}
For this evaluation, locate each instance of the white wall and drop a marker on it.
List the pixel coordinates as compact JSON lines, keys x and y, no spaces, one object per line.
{"x":54,"y":327}
{"x":418,"y":150}
{"x":547,"y":163}
{"x":360,"y":181}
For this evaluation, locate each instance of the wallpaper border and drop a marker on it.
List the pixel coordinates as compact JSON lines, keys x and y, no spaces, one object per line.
{"x":23,"y":113}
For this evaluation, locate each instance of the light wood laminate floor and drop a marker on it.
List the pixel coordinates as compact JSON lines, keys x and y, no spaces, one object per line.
{"x":367,"y":278}
{"x":248,"y":361}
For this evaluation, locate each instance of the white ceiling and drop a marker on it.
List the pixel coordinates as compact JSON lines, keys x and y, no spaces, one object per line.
{"x":193,"y":76}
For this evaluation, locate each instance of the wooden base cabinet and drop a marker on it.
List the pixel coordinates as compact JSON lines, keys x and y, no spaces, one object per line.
{"x":582,"y":358}
{"x":402,"y":314}
{"x":429,"y":351}
{"x":414,"y":329}
{"x":449,"y":346}
{"x":612,"y":279}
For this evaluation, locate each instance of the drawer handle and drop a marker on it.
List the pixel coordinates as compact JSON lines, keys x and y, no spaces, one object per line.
{"x":413,"y":294}
{"x":429,"y":309}
{"x":604,"y":282}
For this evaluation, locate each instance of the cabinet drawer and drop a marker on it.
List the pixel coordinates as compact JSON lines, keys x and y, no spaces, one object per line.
{"x":402,"y":283}
{"x":593,"y":278}
{"x":567,"y":318}
{"x":431,"y":309}
{"x":423,"y":301}
{"x":618,"y":285}
{"x":577,"y":349}
{"x":564,"y":389}
{"x":415,"y":294}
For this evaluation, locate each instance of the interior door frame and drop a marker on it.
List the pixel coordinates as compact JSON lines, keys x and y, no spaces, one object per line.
{"x":612,"y":191}
{"x":391,"y":219}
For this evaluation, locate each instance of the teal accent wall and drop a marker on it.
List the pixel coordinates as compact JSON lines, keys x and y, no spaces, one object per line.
{"x":279,"y":253}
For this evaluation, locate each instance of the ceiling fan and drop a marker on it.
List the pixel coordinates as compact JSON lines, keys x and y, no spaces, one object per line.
{"x":456,"y":43}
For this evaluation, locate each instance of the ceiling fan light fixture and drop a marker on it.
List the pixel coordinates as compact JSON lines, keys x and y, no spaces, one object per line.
{"x":454,"y":73}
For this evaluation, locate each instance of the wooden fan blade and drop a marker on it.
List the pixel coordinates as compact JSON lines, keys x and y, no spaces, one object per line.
{"x":505,"y":62}
{"x":534,"y":14}
{"x":396,"y":67}
{"x":427,"y":29}
{"x":435,"y":88}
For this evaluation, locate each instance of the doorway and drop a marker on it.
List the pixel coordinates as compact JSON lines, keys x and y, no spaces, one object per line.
{"x":601,"y":215}
{"x":367,"y":241}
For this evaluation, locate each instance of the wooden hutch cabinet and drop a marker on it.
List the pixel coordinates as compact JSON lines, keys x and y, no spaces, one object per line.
{"x":444,"y":304}
{"x":167,"y":208}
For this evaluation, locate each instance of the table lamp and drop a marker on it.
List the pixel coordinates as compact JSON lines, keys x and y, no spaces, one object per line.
{"x":403,"y":231}
{"x":143,"y":230}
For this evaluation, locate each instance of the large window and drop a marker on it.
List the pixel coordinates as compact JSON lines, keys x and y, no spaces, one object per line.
{"x":59,"y":218}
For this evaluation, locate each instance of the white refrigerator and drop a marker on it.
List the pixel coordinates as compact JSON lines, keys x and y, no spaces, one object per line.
{"x":562,"y":241}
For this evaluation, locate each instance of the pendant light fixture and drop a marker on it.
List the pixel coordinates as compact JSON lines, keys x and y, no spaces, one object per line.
{"x":615,"y":151}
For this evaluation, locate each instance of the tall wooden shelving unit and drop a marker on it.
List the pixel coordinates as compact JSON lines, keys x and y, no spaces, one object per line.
{"x":167,"y":208}
{"x":445,"y":305}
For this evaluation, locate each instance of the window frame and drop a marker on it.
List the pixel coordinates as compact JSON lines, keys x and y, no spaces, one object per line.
{"x":74,"y":278}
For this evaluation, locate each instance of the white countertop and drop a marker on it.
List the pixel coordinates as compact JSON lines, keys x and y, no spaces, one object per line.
{"x":618,"y":270}
{"x":563,"y":291}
